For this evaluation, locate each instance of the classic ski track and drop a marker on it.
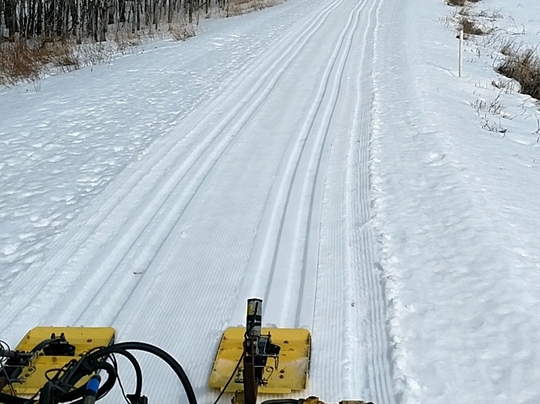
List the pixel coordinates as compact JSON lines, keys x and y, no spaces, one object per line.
{"x":358,"y":207}
{"x":263,"y":274}
{"x":114,"y":201}
{"x":293,"y":297}
{"x":380,"y":383}
{"x":329,"y":114}
{"x":316,"y":160}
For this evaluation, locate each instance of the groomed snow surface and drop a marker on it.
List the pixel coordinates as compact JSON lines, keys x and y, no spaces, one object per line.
{"x":322,"y":155}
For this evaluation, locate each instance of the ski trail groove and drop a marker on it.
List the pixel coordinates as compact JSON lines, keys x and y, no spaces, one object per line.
{"x":292,"y":299}
{"x":358,"y":354}
{"x":281,"y":67}
{"x":329,"y":114}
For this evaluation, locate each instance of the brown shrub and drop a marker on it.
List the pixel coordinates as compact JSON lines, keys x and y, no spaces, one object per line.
{"x":182,"y":30}
{"x":469,"y":27}
{"x":458,"y":3}
{"x":237,"y":7}
{"x":524,"y":67}
{"x":21,"y":60}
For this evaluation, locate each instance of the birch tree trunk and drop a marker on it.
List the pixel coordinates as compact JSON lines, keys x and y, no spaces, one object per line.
{"x":78,"y":25}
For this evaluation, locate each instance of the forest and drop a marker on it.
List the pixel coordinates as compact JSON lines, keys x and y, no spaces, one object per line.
{"x":93,"y":19}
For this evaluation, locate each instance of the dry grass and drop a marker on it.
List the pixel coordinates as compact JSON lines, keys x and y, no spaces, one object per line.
{"x":464,"y":11}
{"x":126,"y":40}
{"x":237,"y":7}
{"x":457,"y":3}
{"x":469,"y":27}
{"x":507,"y":49}
{"x":23,"y":60}
{"x":460,"y":3}
{"x":182,"y":31}
{"x":27,"y":61}
{"x":524,"y":67}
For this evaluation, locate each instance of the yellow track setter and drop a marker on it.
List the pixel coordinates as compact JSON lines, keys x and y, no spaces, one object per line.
{"x":268,"y":360}
{"x":44,"y":349}
{"x":78,"y":365}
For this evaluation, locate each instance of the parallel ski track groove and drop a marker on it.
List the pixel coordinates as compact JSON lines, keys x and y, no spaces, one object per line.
{"x":336,"y":92}
{"x":340,"y":53}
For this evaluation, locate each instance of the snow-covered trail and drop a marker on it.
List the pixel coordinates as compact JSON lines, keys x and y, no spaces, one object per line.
{"x":262,"y":190}
{"x":322,"y":155}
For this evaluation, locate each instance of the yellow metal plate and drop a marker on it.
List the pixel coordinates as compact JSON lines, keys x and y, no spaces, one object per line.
{"x":83,"y":338}
{"x":293,"y":365}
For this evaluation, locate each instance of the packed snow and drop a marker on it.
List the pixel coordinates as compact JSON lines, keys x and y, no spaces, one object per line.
{"x":322,"y":155}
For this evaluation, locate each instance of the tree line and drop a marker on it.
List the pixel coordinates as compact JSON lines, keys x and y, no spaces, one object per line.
{"x":81,"y":19}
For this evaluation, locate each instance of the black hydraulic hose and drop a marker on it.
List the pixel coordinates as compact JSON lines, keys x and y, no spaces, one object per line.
{"x":9,"y":399}
{"x":160,"y":353}
{"x":103,"y":390}
{"x":41,"y":345}
{"x":138,"y":371}
{"x":46,"y":395}
{"x":94,"y":361}
{"x":111,"y":379}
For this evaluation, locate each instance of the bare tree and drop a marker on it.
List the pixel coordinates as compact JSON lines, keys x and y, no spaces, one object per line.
{"x":79,"y":19}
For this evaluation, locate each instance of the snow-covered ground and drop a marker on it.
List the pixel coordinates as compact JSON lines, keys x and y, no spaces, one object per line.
{"x":322,"y":155}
